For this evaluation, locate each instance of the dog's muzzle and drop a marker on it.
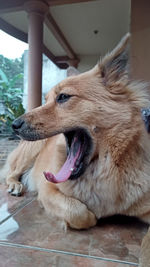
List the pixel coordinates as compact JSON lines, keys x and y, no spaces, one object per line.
{"x":25,"y":130}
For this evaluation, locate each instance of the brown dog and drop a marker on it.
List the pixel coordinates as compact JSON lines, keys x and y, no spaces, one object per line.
{"x":99,"y":151}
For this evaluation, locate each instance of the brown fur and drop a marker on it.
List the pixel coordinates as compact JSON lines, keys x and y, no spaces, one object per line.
{"x":117,"y":179}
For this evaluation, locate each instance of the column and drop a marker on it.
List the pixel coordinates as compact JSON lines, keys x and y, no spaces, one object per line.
{"x":36,"y":13}
{"x":140,"y":39}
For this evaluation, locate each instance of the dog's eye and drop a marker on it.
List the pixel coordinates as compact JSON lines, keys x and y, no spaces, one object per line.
{"x":62,"y":98}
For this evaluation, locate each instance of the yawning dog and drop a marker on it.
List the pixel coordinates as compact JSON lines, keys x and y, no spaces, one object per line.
{"x":90,"y":152}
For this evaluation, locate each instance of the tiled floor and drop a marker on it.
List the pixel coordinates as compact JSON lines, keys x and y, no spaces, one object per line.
{"x":28,"y":237}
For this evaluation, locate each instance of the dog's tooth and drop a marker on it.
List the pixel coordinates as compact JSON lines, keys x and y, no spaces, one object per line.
{"x":71,"y":169}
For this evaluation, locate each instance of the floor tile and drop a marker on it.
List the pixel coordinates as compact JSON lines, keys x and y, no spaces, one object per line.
{"x":16,"y":257}
{"x":10,"y":204}
{"x":113,"y":238}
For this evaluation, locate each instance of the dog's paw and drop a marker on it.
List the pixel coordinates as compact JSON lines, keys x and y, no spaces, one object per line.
{"x":82,"y":219}
{"x":15,"y":188}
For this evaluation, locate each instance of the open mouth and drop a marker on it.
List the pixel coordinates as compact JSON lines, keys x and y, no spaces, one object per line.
{"x":79,"y":146}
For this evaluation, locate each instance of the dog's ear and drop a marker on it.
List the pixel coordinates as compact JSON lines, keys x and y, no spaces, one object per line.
{"x":71,"y":71}
{"x":114,"y":66}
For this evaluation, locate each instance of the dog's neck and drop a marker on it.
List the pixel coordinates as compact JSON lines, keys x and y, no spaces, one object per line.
{"x":122,"y":143}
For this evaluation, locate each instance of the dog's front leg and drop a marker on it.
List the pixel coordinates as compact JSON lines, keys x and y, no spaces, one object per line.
{"x":68,"y":209}
{"x":18,"y":162}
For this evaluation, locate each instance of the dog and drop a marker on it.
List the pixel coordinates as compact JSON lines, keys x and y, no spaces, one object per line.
{"x":90,"y":152}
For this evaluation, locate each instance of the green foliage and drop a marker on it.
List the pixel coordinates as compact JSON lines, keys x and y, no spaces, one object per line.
{"x":12,"y":67}
{"x":11,"y":100}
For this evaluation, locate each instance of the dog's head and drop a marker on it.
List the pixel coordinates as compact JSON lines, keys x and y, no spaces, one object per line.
{"x":98,"y":104}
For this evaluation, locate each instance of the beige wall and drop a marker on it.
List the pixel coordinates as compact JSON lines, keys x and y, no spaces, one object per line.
{"x":87,"y":62}
{"x":140,"y":41}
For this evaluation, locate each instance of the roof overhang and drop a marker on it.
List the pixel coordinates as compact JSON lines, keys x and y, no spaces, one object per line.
{"x":72,"y":28}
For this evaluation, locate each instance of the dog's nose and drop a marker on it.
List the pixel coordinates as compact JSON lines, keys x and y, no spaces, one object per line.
{"x":17,"y":124}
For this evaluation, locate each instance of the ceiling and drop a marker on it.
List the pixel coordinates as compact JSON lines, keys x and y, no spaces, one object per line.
{"x":91,"y":28}
{"x":78,"y":22}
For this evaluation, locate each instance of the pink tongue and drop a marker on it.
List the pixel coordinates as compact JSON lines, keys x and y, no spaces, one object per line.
{"x":68,"y":167}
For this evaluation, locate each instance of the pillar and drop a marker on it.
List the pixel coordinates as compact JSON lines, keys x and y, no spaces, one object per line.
{"x":36,"y":13}
{"x":140,"y":39}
